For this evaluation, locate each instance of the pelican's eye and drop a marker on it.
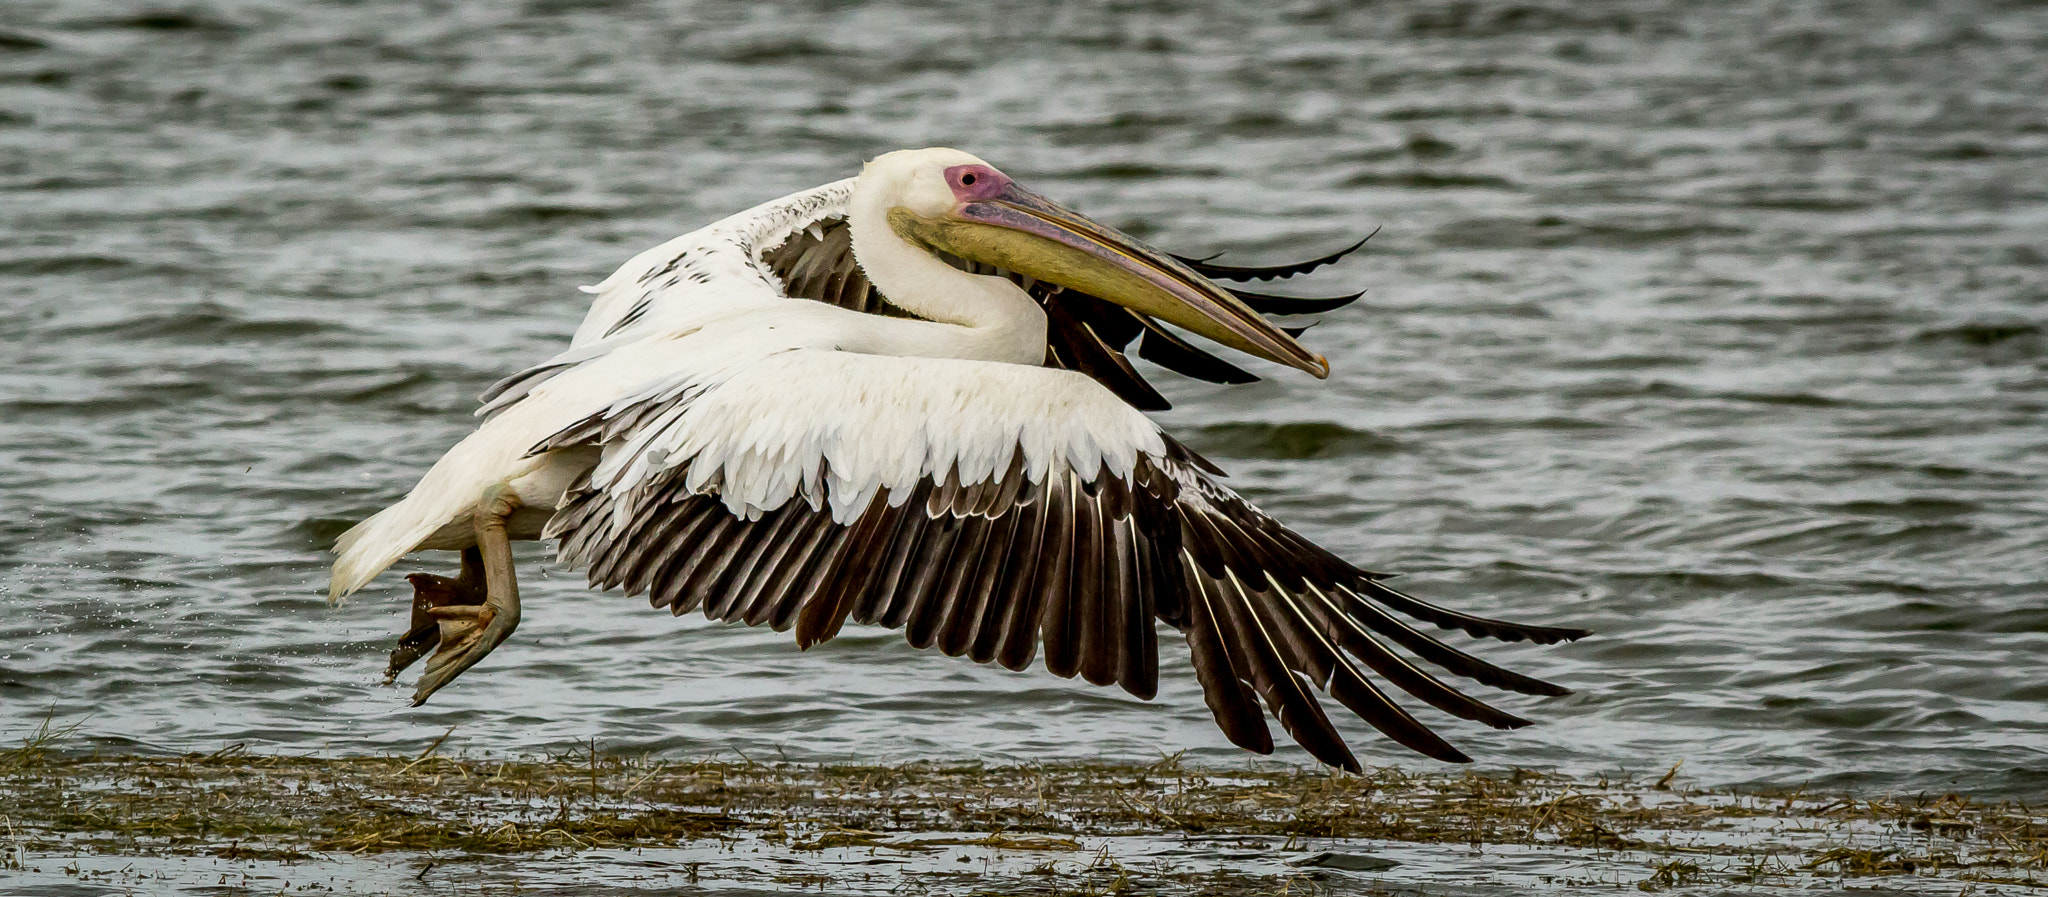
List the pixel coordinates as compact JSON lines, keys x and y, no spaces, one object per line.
{"x":973,"y":182}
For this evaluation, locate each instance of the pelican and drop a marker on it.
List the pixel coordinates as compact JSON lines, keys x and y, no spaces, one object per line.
{"x":903,"y":399}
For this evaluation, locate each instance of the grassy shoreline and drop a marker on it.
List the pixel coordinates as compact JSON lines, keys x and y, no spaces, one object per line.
{"x":241,"y":806}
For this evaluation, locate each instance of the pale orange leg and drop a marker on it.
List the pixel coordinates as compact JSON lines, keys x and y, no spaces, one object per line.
{"x":469,"y":631}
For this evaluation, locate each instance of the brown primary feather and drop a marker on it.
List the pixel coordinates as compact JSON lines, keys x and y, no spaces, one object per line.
{"x":833,"y":593}
{"x":937,"y":563}
{"x":1299,"y":714}
{"x":1225,"y":676}
{"x":1345,"y":633}
{"x":1014,"y":638}
{"x":967,"y":608}
{"x":1087,"y":588}
{"x":675,"y":538}
{"x":901,"y":551}
{"x":1060,"y":628}
{"x":767,"y":584}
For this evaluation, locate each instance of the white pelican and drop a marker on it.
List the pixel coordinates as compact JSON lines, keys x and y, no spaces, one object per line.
{"x":901,"y":398}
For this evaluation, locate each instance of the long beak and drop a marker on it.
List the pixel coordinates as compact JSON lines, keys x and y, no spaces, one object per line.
{"x":1024,"y":232}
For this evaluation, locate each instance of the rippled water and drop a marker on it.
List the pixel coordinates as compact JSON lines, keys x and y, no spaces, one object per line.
{"x":1718,"y":329}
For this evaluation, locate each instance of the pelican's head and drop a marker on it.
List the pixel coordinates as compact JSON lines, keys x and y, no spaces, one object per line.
{"x":950,"y":201}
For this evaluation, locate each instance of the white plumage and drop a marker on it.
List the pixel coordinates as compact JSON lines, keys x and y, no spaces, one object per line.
{"x":902,"y":399}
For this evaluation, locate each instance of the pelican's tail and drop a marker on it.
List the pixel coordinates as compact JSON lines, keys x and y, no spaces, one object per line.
{"x":441,"y":501}
{"x":436,"y":513}
{"x":372,"y":546}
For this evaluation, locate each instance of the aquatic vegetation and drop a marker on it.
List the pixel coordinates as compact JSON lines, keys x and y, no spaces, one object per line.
{"x":1078,"y":820}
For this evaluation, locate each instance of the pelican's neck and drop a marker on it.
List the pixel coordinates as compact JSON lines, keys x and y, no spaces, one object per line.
{"x":965,"y":315}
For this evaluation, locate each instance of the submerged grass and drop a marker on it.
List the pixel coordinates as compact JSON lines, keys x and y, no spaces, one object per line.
{"x":237,"y":805}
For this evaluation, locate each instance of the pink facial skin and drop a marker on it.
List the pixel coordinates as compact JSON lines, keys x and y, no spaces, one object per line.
{"x":975,"y":183}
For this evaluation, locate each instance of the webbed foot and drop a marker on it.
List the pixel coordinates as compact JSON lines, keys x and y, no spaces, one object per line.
{"x":429,"y":592}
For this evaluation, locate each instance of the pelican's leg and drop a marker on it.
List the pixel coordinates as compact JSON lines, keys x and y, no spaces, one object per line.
{"x":470,"y":631}
{"x":429,"y":592}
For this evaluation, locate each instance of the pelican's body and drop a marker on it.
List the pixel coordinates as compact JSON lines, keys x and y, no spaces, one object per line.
{"x":815,"y":411}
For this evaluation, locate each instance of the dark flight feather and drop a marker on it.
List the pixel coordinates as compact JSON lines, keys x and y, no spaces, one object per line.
{"x":1231,"y":698}
{"x":1268,"y":303}
{"x":1207,"y":268}
{"x":1166,"y":349}
{"x":1013,"y":636}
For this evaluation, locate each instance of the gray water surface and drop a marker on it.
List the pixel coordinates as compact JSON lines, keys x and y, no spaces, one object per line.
{"x":1718,"y":329}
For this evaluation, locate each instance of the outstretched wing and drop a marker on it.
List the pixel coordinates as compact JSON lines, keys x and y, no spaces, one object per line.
{"x":795,"y":248}
{"x":989,"y":510}
{"x":707,"y":270}
{"x":800,"y":247}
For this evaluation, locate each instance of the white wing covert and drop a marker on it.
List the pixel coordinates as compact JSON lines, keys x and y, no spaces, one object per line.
{"x":796,"y":247}
{"x":707,"y":270}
